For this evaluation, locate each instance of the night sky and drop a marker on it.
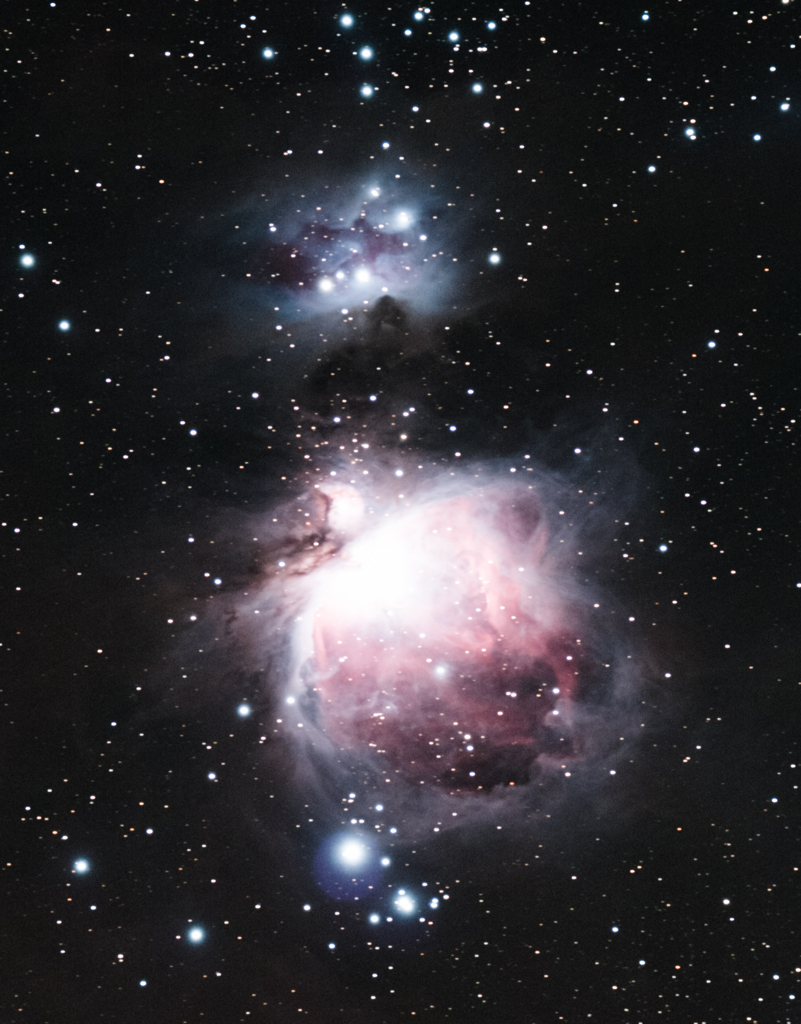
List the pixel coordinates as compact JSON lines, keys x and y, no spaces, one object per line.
{"x":400,"y":513}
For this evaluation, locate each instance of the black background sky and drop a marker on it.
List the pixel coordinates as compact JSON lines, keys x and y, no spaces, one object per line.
{"x":148,"y":153}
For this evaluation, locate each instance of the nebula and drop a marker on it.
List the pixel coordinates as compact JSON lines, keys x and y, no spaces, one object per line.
{"x":362,"y":238}
{"x":419,"y":619}
{"x":436,"y":638}
{"x":431,"y":634}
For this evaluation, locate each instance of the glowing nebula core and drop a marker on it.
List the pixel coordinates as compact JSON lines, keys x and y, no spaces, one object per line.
{"x":434,"y":636}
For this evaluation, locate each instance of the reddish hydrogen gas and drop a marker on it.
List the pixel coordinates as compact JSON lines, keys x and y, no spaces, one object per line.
{"x":437,"y":637}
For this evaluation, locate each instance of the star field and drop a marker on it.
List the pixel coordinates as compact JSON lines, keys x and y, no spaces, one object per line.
{"x":401,"y":586}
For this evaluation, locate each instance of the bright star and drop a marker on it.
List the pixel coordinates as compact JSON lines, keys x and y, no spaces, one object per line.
{"x":405,"y":903}
{"x":353,"y":853}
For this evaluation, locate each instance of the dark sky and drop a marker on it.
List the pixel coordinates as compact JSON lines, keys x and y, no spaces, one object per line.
{"x":346,"y":340}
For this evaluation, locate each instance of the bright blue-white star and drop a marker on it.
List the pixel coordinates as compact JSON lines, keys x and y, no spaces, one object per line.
{"x":81,"y":866}
{"x":784,"y":106}
{"x":64,"y":325}
{"x":196,"y":935}
{"x":268,"y":53}
{"x":353,"y":853}
{"x":243,"y":710}
{"x":27,"y":260}
{"x":374,"y":918}
{"x":494,"y":258}
{"x":404,"y":903}
{"x":453,"y":37}
{"x":478,"y":87}
{"x":663,"y":548}
{"x":367,"y":90}
{"x":418,"y":15}
{"x":346,"y":21}
{"x":491,"y":26}
{"x":366,"y":53}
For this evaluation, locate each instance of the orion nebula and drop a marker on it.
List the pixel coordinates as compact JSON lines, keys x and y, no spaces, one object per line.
{"x":428,"y":632}
{"x":434,"y":633}
{"x":422,"y":617}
